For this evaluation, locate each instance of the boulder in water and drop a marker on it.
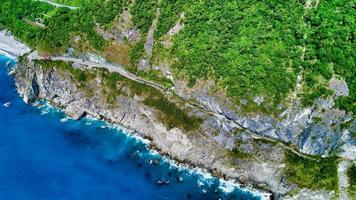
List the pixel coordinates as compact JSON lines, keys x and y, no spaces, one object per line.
{"x":163,"y":182}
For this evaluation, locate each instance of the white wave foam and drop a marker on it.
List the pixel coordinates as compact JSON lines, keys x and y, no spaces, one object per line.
{"x":7,"y":104}
{"x":7,"y":54}
{"x":227,"y":186}
{"x":200,"y":183}
{"x":45,"y":112}
{"x":205,"y":178}
{"x":65,"y":119}
{"x":8,"y":63}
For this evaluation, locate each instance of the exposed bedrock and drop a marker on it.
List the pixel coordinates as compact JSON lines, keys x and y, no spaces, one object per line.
{"x":210,"y":145}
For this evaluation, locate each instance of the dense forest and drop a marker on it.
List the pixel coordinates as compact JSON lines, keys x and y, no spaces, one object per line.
{"x":250,"y":48}
{"x":256,"y":48}
{"x":331,"y":49}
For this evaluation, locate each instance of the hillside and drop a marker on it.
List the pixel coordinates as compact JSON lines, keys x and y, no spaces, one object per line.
{"x":263,"y":43}
{"x":278,"y":72}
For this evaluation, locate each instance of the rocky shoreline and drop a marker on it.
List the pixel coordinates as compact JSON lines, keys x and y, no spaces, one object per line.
{"x":177,"y":162}
{"x":33,"y":84}
{"x":13,"y":48}
{"x":210,"y":147}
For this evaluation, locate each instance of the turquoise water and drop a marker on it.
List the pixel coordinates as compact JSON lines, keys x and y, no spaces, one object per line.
{"x":44,"y":155}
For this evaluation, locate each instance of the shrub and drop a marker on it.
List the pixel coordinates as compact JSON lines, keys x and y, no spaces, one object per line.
{"x":312,"y":174}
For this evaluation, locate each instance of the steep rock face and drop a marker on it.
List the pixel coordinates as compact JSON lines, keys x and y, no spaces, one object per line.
{"x":297,"y":125}
{"x":28,"y":85}
{"x":208,"y":147}
{"x":196,"y":147}
{"x":313,"y":131}
{"x":316,"y":139}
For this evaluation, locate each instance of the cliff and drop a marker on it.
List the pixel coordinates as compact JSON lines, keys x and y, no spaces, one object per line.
{"x":259,"y":92}
{"x":226,"y":144}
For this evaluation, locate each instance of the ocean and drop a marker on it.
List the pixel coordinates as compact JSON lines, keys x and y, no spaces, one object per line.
{"x":46,"y":155}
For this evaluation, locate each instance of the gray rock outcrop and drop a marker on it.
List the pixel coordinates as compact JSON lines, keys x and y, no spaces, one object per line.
{"x":208,"y":147}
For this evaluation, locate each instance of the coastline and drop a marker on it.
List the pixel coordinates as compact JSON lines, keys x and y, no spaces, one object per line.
{"x":12,"y":48}
{"x":227,"y":185}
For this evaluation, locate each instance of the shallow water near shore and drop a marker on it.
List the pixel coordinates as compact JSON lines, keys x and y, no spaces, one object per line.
{"x":45,"y":155}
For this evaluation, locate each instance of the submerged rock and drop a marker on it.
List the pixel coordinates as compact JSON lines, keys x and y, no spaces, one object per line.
{"x":163,"y":182}
{"x":180,"y":179}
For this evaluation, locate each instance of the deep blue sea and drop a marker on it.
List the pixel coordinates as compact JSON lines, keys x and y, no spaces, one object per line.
{"x":44,"y":155}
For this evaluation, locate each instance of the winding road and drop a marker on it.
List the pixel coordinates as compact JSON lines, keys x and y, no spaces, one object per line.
{"x":119,"y":69}
{"x":91,"y":64}
{"x":58,"y":5}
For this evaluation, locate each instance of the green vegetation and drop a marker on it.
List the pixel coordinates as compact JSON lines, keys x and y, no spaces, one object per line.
{"x":70,"y":2}
{"x":82,"y":76}
{"x":169,"y":113}
{"x":236,"y":153}
{"x":262,"y":141}
{"x":13,"y":11}
{"x":348,"y":125}
{"x":115,"y":85}
{"x":313,"y":174}
{"x":255,"y":48}
{"x":351,"y":173}
{"x":331,"y":50}
{"x":169,"y":15}
{"x":143,"y":12}
{"x":62,"y":24}
{"x":250,"y":48}
{"x":317,"y":120}
{"x":172,"y":115}
{"x":136,"y":53}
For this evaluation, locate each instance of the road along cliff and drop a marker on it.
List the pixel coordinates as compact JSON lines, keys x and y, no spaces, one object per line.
{"x":173,"y":125}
